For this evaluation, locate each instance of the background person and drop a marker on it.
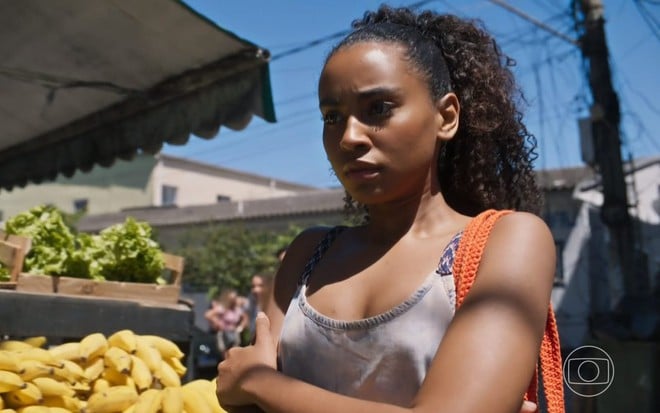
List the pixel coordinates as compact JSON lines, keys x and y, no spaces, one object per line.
{"x":227,"y":319}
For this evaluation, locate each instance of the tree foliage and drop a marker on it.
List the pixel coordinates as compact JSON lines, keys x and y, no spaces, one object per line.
{"x":221,"y":257}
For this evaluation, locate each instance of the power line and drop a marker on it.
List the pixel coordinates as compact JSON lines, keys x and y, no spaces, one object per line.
{"x":648,"y":19}
{"x":324,"y":39}
{"x":534,"y":21}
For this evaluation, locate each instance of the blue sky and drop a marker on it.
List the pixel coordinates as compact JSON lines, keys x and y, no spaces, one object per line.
{"x":549,"y":70}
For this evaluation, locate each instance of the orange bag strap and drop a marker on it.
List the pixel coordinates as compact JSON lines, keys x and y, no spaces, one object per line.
{"x":466,"y":264}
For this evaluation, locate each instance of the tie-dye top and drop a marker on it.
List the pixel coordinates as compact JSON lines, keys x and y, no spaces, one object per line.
{"x":382,"y":358}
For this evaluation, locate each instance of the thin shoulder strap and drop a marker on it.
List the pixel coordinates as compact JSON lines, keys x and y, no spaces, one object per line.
{"x":320,"y":249}
{"x":466,"y":265}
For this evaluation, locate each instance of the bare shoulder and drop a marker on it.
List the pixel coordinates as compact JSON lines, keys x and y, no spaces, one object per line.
{"x":507,"y":308}
{"x":520,"y":252}
{"x":297,"y":256}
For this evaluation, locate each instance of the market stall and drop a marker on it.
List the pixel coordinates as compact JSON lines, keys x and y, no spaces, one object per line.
{"x":85,"y":83}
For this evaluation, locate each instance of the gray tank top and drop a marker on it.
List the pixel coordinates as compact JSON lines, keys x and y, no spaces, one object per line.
{"x":382,"y":358}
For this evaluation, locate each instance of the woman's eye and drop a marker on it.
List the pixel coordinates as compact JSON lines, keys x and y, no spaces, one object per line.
{"x":381,"y":109}
{"x":330,"y":118}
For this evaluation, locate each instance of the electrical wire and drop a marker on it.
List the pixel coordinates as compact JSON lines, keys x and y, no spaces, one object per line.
{"x":327,"y":38}
{"x":648,"y":18}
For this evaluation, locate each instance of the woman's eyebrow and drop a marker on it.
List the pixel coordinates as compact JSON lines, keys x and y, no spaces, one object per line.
{"x":328,"y":102}
{"x":378,"y":91}
{"x":364,"y":95}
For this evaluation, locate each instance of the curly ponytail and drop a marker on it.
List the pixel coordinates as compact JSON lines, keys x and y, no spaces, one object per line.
{"x":488,"y":164}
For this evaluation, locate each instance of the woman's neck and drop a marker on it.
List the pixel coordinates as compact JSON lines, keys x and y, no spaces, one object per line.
{"x":421,"y":217}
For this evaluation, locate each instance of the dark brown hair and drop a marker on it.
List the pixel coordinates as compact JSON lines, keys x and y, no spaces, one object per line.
{"x":488,"y":164}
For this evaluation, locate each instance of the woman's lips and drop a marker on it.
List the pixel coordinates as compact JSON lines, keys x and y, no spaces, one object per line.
{"x":362,"y":172}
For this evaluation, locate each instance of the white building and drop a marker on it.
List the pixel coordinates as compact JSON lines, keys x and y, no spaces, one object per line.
{"x":146,"y":181}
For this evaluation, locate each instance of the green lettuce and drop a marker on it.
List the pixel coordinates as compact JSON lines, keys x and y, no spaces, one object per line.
{"x":122,"y":252}
{"x":52,"y":240}
{"x":130,"y":253}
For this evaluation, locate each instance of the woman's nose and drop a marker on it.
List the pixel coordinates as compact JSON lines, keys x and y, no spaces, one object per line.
{"x":354,"y":135}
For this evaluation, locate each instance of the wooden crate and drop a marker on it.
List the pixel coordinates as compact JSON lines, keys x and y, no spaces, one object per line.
{"x":36,"y":283}
{"x":148,"y":293}
{"x":141,"y":292}
{"x":13,"y":249}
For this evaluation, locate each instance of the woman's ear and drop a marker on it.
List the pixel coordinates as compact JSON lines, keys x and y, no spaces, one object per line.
{"x":448,"y":114}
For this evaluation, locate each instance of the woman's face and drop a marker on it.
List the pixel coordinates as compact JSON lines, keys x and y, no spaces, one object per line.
{"x":380,"y":123}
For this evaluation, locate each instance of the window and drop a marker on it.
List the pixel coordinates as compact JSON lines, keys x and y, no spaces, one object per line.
{"x":222,"y":198}
{"x":80,"y":205}
{"x":168,"y":195}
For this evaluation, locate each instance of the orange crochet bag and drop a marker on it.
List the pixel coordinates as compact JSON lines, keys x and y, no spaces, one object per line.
{"x":466,"y":264}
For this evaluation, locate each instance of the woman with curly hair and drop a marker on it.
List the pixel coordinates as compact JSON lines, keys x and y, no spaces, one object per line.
{"x":421,"y":127}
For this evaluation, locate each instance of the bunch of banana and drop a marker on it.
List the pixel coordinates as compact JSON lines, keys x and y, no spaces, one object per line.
{"x":124,"y":372}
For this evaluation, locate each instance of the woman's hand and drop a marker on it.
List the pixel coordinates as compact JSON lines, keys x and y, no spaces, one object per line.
{"x":242,"y":363}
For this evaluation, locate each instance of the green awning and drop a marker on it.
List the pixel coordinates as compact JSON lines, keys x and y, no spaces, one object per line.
{"x":86,"y":82}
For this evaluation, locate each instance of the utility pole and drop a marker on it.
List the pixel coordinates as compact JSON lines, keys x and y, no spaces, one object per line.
{"x":605,"y":120}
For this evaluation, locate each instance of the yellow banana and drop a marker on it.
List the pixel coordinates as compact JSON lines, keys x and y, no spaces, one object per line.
{"x":74,"y":369}
{"x":141,"y":374}
{"x":33,"y":368}
{"x":193,"y":401}
{"x":52,"y":387}
{"x":58,"y":410}
{"x":66,"y":402}
{"x":167,"y":376}
{"x":26,"y":396}
{"x":38,"y":354}
{"x":207,"y":390}
{"x":65,"y":374}
{"x":92,"y":345}
{"x":130,"y":409}
{"x":131,"y":383}
{"x":33,"y":409}
{"x":10,"y":381}
{"x":149,"y":401}
{"x":37,"y":341}
{"x":172,"y":400}
{"x":9,"y":361}
{"x":148,"y":354}
{"x":7,"y":410}
{"x":177,"y":365}
{"x":80,"y":387}
{"x":112,"y":400}
{"x":66,"y":351}
{"x":118,"y":359}
{"x":125,"y":340}
{"x":114,"y":377}
{"x":100,"y":385}
{"x":94,"y":369}
{"x":14,"y":345}
{"x":165,"y":347}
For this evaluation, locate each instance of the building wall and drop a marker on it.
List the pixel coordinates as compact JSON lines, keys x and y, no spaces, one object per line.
{"x":592,"y":281}
{"x":125,"y":185}
{"x":198,"y":184}
{"x":139,"y":183}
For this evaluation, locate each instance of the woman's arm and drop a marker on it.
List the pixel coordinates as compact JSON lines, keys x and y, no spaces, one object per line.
{"x":211,"y":317}
{"x":485,"y":361}
{"x":488,"y":355}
